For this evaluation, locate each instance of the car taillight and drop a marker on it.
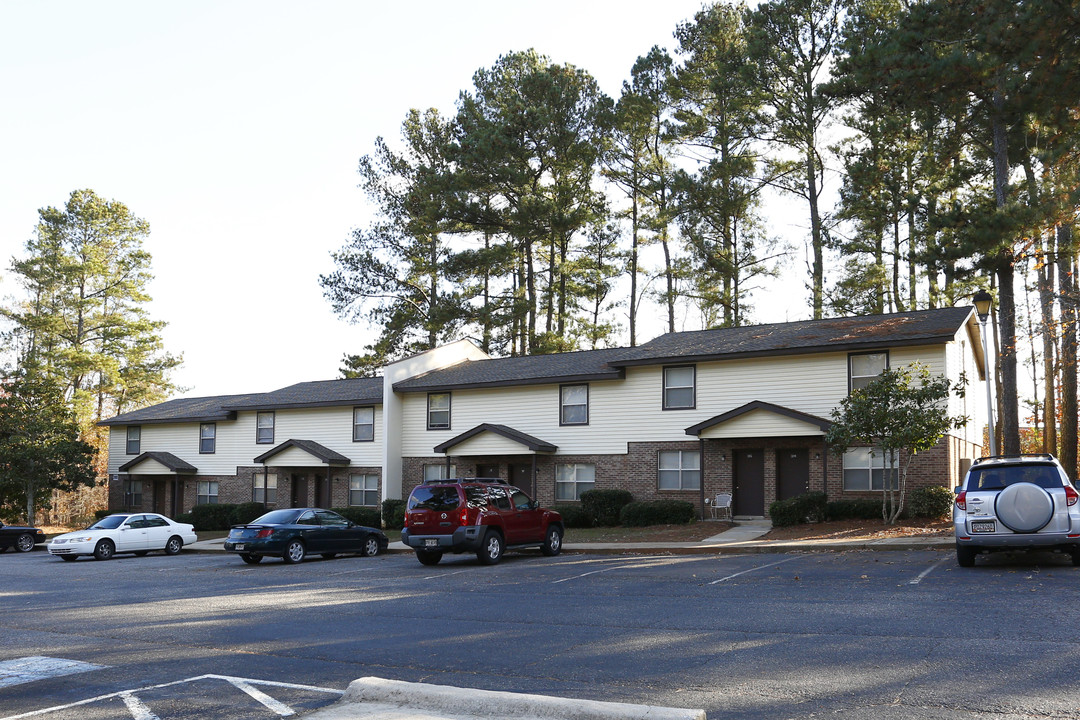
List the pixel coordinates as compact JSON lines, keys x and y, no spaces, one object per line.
{"x":1070,"y":496}
{"x":406,"y":520}
{"x":961,"y":500}
{"x":463,"y":516}
{"x":264,"y":533}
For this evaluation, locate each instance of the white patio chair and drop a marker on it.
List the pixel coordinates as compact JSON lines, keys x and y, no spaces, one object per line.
{"x":721,"y":506}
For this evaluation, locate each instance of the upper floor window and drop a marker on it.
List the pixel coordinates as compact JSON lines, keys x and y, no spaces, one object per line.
{"x":574,"y":405}
{"x":438,"y":411}
{"x":863,"y":368}
{"x":363,"y":424}
{"x":134,"y":439}
{"x":679,"y":470}
{"x":679,"y":387}
{"x":264,"y":428}
{"x":207,"y":438}
{"x":364,"y":490}
{"x":573,"y":479}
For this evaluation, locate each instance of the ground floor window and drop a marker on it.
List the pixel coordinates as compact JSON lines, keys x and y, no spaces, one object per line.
{"x":572,"y":479}
{"x":439,"y":472}
{"x":679,"y":470}
{"x":264,"y":488}
{"x":133,"y":493}
{"x":207,"y":493}
{"x":364,"y":490}
{"x":865,"y":469}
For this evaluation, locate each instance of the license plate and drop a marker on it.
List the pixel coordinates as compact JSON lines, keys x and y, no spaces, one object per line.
{"x":238,"y":546}
{"x":983,"y":526}
{"x":431,"y":542}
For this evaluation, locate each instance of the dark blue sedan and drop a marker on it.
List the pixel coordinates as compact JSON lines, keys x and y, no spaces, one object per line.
{"x":293,"y":533}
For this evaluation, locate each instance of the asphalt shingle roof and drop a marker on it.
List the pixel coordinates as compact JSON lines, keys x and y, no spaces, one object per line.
{"x":911,"y":328}
{"x":528,"y":369}
{"x":204,"y":409}
{"x":319,"y":393}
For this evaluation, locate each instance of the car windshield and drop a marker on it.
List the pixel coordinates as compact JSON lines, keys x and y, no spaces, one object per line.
{"x":276,"y":517}
{"x":109,"y":523}
{"x":1001,"y":476}
{"x":439,"y":499}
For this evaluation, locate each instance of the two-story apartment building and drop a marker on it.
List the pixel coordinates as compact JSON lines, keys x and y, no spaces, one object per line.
{"x":684,"y":416}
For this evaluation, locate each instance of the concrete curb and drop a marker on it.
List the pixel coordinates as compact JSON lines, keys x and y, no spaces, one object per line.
{"x":372,"y":697}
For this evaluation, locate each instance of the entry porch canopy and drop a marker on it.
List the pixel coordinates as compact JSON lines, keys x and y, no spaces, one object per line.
{"x":301,"y":453}
{"x":493,"y":439}
{"x":158,"y":463}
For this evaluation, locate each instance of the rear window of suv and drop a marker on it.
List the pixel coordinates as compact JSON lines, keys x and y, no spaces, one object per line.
{"x":999,"y":477}
{"x":439,"y":499}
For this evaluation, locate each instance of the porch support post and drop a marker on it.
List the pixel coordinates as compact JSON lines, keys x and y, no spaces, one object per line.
{"x":701,"y":480}
{"x":266,"y":481}
{"x":825,"y":469}
{"x":535,"y":485}
{"x":329,"y":487}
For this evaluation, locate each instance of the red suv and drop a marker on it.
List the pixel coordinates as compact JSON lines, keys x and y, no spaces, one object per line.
{"x":479,"y":515}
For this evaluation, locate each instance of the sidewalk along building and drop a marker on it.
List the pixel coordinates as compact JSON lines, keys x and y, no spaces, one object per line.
{"x":686,"y":416}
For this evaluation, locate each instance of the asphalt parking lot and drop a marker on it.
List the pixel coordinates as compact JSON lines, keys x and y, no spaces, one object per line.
{"x":851,"y":634}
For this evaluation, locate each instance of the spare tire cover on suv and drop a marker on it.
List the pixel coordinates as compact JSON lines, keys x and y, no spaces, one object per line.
{"x":1024,"y":507}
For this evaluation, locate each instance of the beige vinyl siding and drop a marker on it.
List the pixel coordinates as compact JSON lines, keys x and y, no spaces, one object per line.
{"x":236,"y":446}
{"x":631,"y":410}
{"x":761,"y":423}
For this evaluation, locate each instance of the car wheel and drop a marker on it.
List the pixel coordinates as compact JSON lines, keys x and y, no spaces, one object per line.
{"x":426,"y":557}
{"x":294,"y":552}
{"x":251,"y":559}
{"x":174,"y":546}
{"x":25,"y":543}
{"x":329,"y":556}
{"x":371,"y":546}
{"x":492,"y":550}
{"x":69,"y":558}
{"x":104,"y":550}
{"x":1024,"y":507}
{"x":965,"y":555}
{"x":553,"y":541}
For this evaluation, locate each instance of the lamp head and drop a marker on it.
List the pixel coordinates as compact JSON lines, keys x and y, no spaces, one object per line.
{"x":983,"y":301}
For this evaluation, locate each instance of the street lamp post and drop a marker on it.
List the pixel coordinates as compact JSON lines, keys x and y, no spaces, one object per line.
{"x":983,"y":302}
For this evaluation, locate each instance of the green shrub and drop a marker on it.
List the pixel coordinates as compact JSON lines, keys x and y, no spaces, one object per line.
{"x":930,"y":502}
{"x":360,"y":515}
{"x":574,"y":516}
{"x":393,"y":514}
{"x":809,"y":507}
{"x":244,"y":513}
{"x":605,"y":505}
{"x":185,"y":518}
{"x":212,"y":516}
{"x":657,"y":512}
{"x":854,"y":509}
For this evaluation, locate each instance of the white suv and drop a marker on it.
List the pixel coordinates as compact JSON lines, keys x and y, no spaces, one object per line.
{"x":1016,"y":502}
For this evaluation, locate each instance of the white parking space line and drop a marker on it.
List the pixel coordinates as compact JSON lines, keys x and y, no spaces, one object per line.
{"x":642,"y":563}
{"x":139,"y":710}
{"x":279,"y":707}
{"x":759,"y":567}
{"x":436,"y":577}
{"x":39,"y":667}
{"x":928,"y":570}
{"x":129,"y":693}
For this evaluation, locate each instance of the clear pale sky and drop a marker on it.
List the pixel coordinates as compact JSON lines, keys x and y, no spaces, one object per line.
{"x":234,"y":128}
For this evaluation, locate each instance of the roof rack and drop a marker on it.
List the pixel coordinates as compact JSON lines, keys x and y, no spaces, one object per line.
{"x":492,"y":480}
{"x":1018,"y":456}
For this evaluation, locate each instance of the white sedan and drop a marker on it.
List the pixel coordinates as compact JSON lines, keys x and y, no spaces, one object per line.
{"x":137,"y":533}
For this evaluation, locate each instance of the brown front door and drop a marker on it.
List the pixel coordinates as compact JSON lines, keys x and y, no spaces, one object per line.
{"x":521,"y":476}
{"x":792,"y":473}
{"x":299,"y":491}
{"x":487,"y":470}
{"x":749,"y":480}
